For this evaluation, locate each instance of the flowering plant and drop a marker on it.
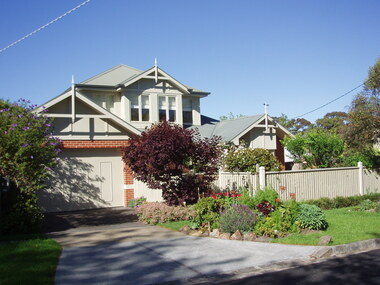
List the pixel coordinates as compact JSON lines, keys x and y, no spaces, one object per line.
{"x":265,"y":208}
{"x":28,"y":152}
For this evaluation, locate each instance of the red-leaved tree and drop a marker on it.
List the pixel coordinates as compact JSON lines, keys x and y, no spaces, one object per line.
{"x":175,"y":160}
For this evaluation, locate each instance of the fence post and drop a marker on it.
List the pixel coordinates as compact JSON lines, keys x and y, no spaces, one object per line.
{"x":262,"y":177}
{"x":361,"y":178}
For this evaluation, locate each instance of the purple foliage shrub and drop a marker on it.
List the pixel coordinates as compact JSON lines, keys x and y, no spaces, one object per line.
{"x":175,"y":160}
{"x":265,"y":208}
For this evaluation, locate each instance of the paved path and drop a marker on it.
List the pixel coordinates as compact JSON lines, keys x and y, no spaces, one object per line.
{"x":175,"y":259}
{"x":109,"y":246}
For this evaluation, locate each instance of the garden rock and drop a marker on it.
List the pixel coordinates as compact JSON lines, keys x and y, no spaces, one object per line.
{"x":205,"y":234}
{"x":322,"y":253}
{"x":263,"y":239}
{"x":185,"y":229}
{"x":215,"y":233}
{"x":325,"y":240}
{"x":225,"y":236}
{"x":196,"y":233}
{"x":250,"y":236}
{"x":237,"y":236}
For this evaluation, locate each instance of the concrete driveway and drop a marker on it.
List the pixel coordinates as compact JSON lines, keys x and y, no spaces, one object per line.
{"x":110,"y":246}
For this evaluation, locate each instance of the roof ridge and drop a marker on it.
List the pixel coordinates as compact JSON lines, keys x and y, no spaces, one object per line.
{"x":242,"y":117}
{"x":108,"y":71}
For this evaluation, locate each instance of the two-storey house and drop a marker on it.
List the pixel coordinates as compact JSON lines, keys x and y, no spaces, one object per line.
{"x":96,"y":117}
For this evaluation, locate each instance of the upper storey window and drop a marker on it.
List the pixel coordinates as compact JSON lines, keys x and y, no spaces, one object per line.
{"x":140,"y":108}
{"x":167,"y":108}
{"x":187,"y":112}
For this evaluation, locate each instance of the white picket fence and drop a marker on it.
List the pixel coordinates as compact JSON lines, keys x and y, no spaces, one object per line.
{"x":305,"y":184}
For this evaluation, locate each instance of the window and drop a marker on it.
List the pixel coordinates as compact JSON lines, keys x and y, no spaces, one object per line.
{"x":172,"y":107}
{"x":140,"y":108}
{"x":161,"y":108}
{"x":135,"y":108}
{"x":145,"y":108}
{"x":187,"y":112}
{"x":167,"y":109}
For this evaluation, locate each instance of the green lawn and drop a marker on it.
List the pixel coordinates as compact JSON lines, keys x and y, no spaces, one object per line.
{"x":345,"y":226}
{"x":176,"y":226}
{"x":28,"y":259}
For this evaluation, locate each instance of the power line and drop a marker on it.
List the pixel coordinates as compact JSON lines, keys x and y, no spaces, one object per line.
{"x":44,"y":26}
{"x":328,"y":103}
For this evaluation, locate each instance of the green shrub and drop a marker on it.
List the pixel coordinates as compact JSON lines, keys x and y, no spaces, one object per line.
{"x":155,"y":212}
{"x":246,"y":199}
{"x":266,"y":194}
{"x":238,"y":217}
{"x":367,"y":205}
{"x":342,"y":202}
{"x":24,"y":217}
{"x":245,"y":160}
{"x":377,"y":208}
{"x":136,"y":202}
{"x":280,"y":222}
{"x":207,"y":212}
{"x":311,"y":217}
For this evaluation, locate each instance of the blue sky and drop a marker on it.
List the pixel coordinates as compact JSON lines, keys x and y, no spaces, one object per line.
{"x":293,"y":55}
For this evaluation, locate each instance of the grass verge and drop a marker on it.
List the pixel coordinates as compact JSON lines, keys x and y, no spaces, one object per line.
{"x":28,"y":259}
{"x":345,"y":226}
{"x":175,"y":226}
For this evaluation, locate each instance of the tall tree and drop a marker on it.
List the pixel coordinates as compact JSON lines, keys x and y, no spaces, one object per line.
{"x":363,"y":128}
{"x":295,"y":126}
{"x":333,"y":122}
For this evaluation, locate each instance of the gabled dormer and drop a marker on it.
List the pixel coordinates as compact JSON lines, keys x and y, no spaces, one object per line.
{"x":144,"y":97}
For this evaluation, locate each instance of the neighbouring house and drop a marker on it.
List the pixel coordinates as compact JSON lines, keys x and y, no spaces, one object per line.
{"x":96,"y":117}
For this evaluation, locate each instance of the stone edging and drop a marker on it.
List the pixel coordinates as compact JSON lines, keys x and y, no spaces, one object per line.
{"x":343,"y":249}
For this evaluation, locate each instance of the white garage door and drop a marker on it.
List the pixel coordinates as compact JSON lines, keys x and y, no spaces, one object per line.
{"x":85,"y":179}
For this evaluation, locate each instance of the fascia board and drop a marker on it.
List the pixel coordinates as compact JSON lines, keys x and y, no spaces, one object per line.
{"x":108,"y":114}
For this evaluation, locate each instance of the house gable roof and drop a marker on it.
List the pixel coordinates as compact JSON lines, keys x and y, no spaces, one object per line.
{"x":123,"y":75}
{"x":98,"y":111}
{"x":230,"y":130}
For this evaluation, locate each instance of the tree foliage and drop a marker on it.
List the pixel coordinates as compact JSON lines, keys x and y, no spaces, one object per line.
{"x":28,"y":151}
{"x":363,"y":128}
{"x":230,"y":116}
{"x":245,"y":160}
{"x":295,"y":126}
{"x":175,"y":160}
{"x":333,"y":122}
{"x":317,"y":148}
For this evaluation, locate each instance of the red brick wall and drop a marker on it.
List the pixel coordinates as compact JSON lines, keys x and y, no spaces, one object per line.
{"x":94,"y":144}
{"x":102,"y":144}
{"x":128,"y":195}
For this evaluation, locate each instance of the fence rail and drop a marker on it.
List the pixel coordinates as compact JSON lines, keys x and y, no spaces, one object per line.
{"x":305,"y":184}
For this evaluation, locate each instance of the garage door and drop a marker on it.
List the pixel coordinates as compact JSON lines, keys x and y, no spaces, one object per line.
{"x":85,"y":179}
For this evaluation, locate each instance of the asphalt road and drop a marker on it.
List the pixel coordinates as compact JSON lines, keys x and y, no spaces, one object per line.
{"x":362,"y":268}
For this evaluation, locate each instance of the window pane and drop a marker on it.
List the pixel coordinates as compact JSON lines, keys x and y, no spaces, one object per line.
{"x":187,"y":117}
{"x":134,"y":114}
{"x":171,"y":103}
{"x":145,"y":101}
{"x":171,"y":115}
{"x":162,"y":115}
{"x":162,"y":102}
{"x":135,"y":101}
{"x":186,"y":104}
{"x":145,"y":115}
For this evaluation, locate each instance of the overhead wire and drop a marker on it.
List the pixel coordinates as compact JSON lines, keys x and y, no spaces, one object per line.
{"x":328,"y":103}
{"x":44,"y":26}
